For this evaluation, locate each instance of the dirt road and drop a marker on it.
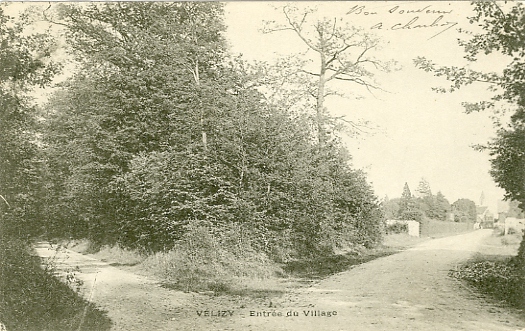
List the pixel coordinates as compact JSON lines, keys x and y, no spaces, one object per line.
{"x":406,"y":291}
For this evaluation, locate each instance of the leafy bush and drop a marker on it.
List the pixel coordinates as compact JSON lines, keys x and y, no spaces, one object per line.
{"x":503,"y":280}
{"x":520,"y":258}
{"x":137,"y":164}
{"x":397,"y":228}
{"x":203,"y":260}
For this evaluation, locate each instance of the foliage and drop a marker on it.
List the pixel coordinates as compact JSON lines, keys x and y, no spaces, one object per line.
{"x":34,"y":299}
{"x":442,"y":207}
{"x":160,"y":131}
{"x":406,"y":204}
{"x":390,"y":208}
{"x":318,"y":267}
{"x":464,"y":210}
{"x":426,"y":205}
{"x":204,"y":260}
{"x":25,"y":65}
{"x":508,"y":160}
{"x":433,"y":206}
{"x":31,"y":298}
{"x":515,"y":210}
{"x":423,"y":188}
{"x":397,"y":228}
{"x":500,"y":279}
{"x":129,"y":97}
{"x":412,"y":215}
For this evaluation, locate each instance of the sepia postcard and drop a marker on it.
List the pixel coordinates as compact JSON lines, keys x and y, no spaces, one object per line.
{"x":262,"y":165}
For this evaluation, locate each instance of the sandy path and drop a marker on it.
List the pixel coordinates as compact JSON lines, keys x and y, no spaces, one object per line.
{"x":133,"y":302}
{"x":406,"y":291}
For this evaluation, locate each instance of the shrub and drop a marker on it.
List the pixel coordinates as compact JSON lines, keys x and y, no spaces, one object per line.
{"x":520,"y":258}
{"x":203,"y":260}
{"x":397,"y":227}
{"x":503,"y":280}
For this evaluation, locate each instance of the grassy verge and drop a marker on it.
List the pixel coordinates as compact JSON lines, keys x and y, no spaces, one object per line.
{"x":401,"y":241}
{"x":31,"y":298}
{"x":495,"y":271}
{"x":326,"y":266}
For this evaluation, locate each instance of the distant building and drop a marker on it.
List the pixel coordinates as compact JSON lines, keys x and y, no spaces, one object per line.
{"x":484,"y":217}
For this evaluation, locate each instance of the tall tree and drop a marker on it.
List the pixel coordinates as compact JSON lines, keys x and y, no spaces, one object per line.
{"x":406,"y":204}
{"x":390,"y":208}
{"x":423,"y":188}
{"x":344,"y":53}
{"x":159,"y":131}
{"x":442,"y":207}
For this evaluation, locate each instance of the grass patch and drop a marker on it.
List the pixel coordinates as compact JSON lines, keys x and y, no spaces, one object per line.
{"x":495,"y":271}
{"x":402,"y":240}
{"x":325,"y":266}
{"x":118,"y":256}
{"x":115,"y":255}
{"x":31,"y":298}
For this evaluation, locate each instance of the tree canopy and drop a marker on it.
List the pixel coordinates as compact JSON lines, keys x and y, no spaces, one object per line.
{"x":160,"y":131}
{"x":464,"y":210}
{"x":409,"y":207}
{"x":24,"y":65}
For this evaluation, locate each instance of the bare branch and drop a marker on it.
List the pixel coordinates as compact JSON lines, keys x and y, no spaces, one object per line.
{"x":333,"y":30}
{"x":308,"y":72}
{"x":354,"y":125}
{"x":297,"y":29}
{"x":336,"y":54}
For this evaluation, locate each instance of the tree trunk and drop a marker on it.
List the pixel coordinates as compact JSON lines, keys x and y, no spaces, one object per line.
{"x":320,"y":101}
{"x":197,"y":82}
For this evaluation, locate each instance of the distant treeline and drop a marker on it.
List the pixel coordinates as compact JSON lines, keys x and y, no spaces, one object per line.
{"x":428,"y":206}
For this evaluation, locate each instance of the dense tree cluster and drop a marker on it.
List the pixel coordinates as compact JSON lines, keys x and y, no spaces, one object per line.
{"x":159,"y":131}
{"x":417,"y":208}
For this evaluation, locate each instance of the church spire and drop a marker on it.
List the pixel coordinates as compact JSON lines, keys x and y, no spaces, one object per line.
{"x":482,"y":199}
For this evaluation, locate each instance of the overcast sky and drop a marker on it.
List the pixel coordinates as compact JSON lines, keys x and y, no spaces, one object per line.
{"x":421,"y":133}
